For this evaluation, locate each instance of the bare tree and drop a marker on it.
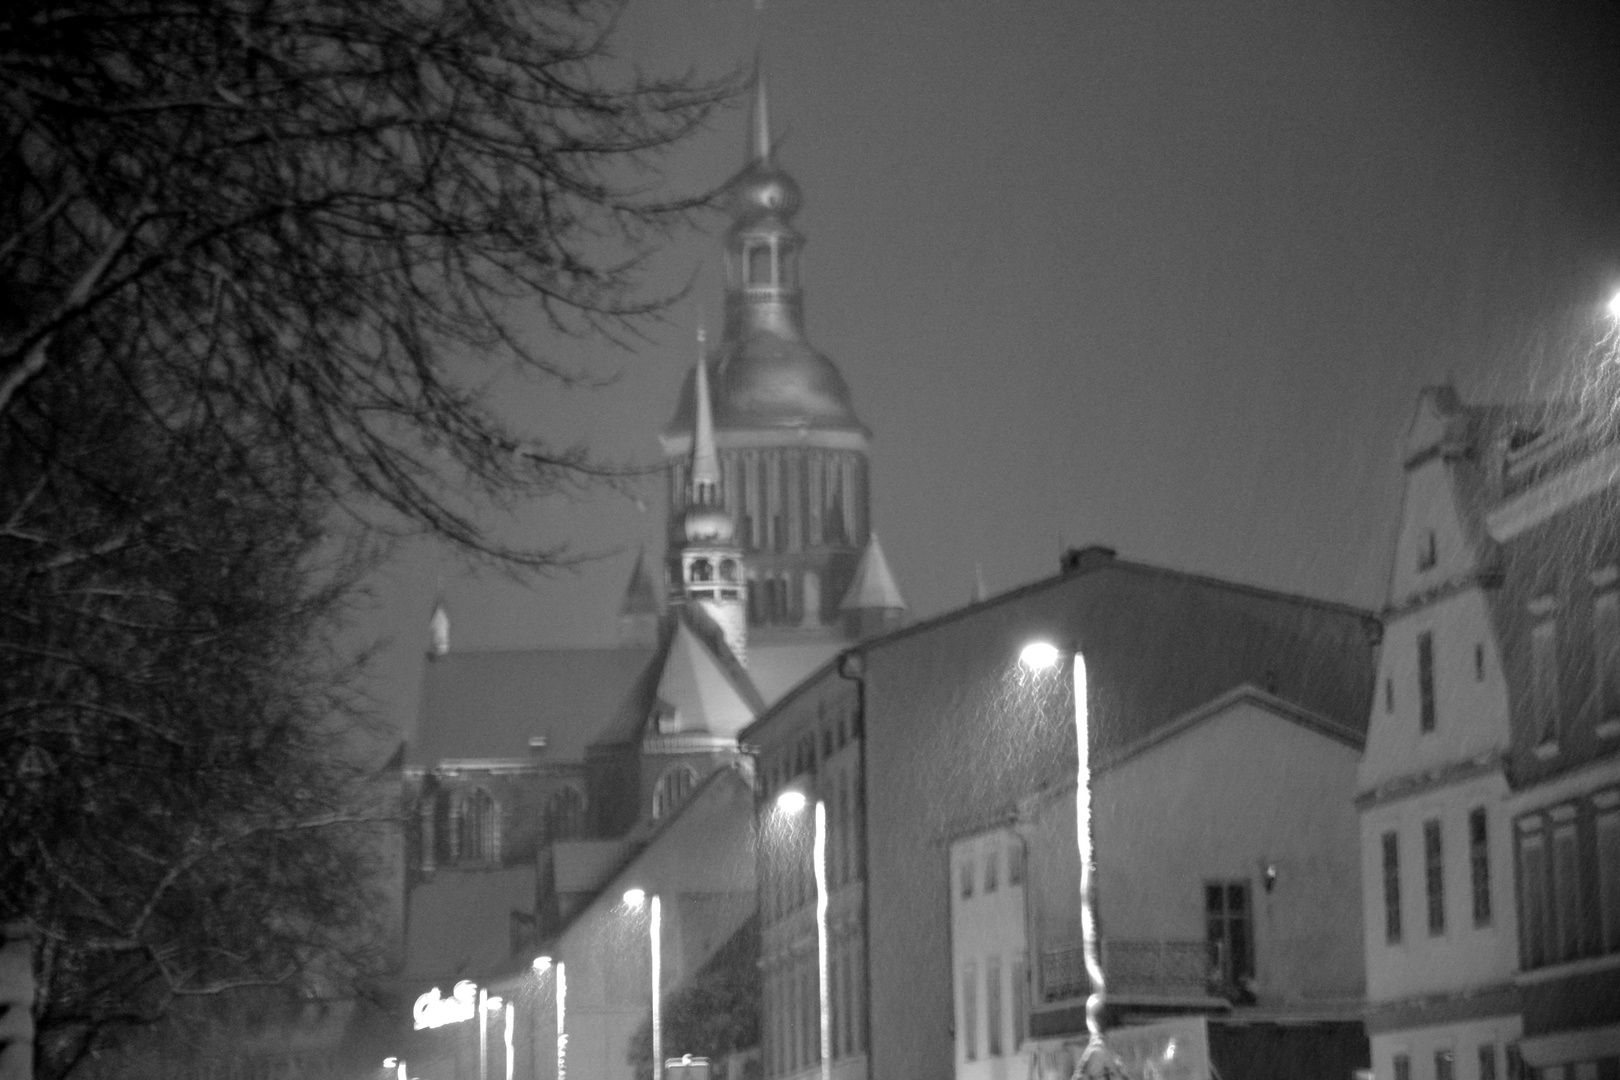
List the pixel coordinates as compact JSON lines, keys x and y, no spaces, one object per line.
{"x":287,"y":220}
{"x":179,"y":815}
{"x":253,"y":256}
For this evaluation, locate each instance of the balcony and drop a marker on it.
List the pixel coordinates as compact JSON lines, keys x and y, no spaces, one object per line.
{"x":1148,"y":969}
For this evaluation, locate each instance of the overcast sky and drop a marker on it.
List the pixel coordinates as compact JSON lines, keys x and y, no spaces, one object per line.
{"x":1161,"y":275}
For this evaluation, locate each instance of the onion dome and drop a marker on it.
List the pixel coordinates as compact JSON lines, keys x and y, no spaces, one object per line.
{"x":708,"y":525}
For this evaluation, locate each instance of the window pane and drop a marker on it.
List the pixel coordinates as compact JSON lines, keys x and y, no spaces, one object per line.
{"x":1443,"y":1065}
{"x":1426,"y":681}
{"x":1403,"y":1067}
{"x":1434,"y":877}
{"x":1608,"y":855}
{"x":1487,"y":1061}
{"x":970,"y":1011}
{"x":1533,"y":902}
{"x":1566,"y":893}
{"x":1479,"y":866}
{"x":1392,"y":888}
{"x":992,"y":1005}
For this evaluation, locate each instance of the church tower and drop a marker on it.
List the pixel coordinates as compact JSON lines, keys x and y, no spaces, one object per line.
{"x":790,"y":452}
{"x":709,"y":562}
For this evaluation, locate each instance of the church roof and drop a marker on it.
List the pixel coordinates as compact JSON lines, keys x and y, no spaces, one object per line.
{"x":692,"y":674}
{"x":640,"y":595}
{"x":485,"y":705}
{"x":873,"y":585}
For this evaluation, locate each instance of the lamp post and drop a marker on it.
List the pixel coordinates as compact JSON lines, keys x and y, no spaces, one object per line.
{"x":1044,"y":656}
{"x":634,"y":899}
{"x":543,"y":964}
{"x":792,"y":802}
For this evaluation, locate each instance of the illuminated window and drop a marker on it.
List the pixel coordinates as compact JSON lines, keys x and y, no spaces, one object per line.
{"x":970,"y":1011}
{"x":992,"y":1006}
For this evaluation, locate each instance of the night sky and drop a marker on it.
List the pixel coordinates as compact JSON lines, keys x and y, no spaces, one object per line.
{"x":1161,"y":275}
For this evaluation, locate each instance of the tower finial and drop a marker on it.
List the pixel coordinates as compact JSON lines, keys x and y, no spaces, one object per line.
{"x":762,"y":116}
{"x":705,"y":483}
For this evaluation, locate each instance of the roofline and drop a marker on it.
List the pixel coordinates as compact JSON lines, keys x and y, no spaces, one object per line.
{"x":1148,"y":569}
{"x":1245,"y":691}
{"x":616,"y":877}
{"x":1369,"y":619}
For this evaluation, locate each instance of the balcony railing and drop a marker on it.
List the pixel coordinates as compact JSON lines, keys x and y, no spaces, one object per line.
{"x":1159,"y":968}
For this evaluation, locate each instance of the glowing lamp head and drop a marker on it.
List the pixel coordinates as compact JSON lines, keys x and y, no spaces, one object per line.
{"x":791,"y":801}
{"x":634,"y":898}
{"x":1614,"y":306}
{"x":542,"y":964}
{"x":1039,"y":656}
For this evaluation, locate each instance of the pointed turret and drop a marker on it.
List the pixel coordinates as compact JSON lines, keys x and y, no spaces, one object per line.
{"x":439,"y":629}
{"x":873,"y":603}
{"x":640,"y":612}
{"x":710,"y":564}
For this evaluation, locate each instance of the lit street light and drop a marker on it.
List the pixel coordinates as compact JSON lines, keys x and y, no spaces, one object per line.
{"x":1043,"y":656}
{"x":634,"y":899}
{"x":792,"y":802}
{"x":543,"y":964}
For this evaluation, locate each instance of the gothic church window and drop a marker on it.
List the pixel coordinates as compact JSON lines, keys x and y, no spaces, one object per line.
{"x":475,"y":826}
{"x":672,"y":789}
{"x":565,"y":815}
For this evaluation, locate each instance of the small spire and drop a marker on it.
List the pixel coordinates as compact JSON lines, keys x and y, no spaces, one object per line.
{"x":705,"y":483}
{"x":439,"y":629}
{"x":640,"y":598}
{"x":762,"y":116}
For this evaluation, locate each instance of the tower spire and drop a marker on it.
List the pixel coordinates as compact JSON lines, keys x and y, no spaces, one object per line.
{"x":762,"y":116}
{"x":705,"y":482}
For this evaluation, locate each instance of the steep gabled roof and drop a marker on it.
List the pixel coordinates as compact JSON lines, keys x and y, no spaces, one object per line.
{"x":873,"y":586}
{"x":489,"y":704}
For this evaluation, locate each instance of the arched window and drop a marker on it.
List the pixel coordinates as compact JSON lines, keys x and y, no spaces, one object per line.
{"x":565,"y":815}
{"x":728,"y":569}
{"x":759,"y":266}
{"x":475,"y":827}
{"x":702,"y":570}
{"x":672,"y":789}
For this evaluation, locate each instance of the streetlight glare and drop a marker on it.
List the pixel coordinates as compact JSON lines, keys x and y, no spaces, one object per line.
{"x":542,"y":964}
{"x":1039,"y":655}
{"x":634,"y":898}
{"x":790,"y":801}
{"x":1614,"y":305}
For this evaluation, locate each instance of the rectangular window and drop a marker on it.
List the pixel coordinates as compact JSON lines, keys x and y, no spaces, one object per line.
{"x":1020,"y":1002}
{"x":1479,"y":865}
{"x":1389,"y":695}
{"x":1608,"y":864}
{"x":992,"y":869}
{"x":1403,"y":1067}
{"x":1515,"y":1062}
{"x":1487,"y":1061}
{"x":966,"y":872}
{"x":1533,"y":902}
{"x":1425,"y":643}
{"x":1479,"y":663}
{"x":1015,"y":863}
{"x":1434,"y":877}
{"x":1444,"y":1065}
{"x":970,"y":1011}
{"x":1392,"y":888}
{"x":1544,"y":680}
{"x":1606,"y":643}
{"x":1566,"y":893}
{"x":1427,"y":555}
{"x":1229,"y":924}
{"x":992,"y":1006}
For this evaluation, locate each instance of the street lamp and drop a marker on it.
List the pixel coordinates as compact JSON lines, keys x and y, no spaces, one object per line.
{"x":1041,"y":656}
{"x":1614,"y":306}
{"x":792,"y":802}
{"x":543,"y":964}
{"x":634,"y":899}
